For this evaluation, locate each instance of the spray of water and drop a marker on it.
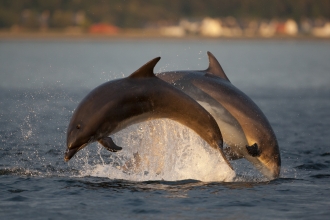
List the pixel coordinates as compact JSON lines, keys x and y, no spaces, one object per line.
{"x":161,"y":150}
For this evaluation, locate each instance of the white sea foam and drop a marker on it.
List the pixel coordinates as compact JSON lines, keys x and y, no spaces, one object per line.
{"x":162,"y":150}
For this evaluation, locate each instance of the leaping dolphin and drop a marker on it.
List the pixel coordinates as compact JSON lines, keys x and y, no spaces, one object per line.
{"x":243,"y":125}
{"x":142,"y":96}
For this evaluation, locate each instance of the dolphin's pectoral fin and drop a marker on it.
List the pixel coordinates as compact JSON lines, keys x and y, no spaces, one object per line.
{"x":253,"y":150}
{"x":109,"y":144}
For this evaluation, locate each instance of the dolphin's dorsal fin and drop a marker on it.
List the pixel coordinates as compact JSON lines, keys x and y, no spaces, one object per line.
{"x":147,"y":70}
{"x":215,"y":67}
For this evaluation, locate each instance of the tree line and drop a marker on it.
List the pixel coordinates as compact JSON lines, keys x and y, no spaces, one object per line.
{"x":138,"y":13}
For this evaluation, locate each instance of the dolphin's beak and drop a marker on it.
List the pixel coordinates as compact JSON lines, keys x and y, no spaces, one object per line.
{"x":267,"y":159}
{"x":270,"y":167}
{"x":69,"y":153}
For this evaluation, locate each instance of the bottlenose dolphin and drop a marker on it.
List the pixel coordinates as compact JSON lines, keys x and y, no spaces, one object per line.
{"x":141,"y":96}
{"x":245,"y":129}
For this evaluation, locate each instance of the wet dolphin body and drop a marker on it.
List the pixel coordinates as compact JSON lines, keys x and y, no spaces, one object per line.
{"x":244,"y":127}
{"x":142,"y":96}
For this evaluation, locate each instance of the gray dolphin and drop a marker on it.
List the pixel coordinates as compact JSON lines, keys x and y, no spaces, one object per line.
{"x":243,"y":125}
{"x":142,"y":96}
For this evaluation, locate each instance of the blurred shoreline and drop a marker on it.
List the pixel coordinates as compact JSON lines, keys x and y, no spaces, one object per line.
{"x":138,"y":35}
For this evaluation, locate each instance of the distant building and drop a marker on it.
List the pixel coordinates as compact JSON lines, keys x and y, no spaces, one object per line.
{"x":172,"y":31}
{"x":191,"y":27}
{"x":323,"y":31}
{"x":268,"y":29}
{"x":103,"y":29}
{"x":291,"y":27}
{"x":211,"y":27}
{"x":306,"y":26}
{"x":230,"y":27}
{"x":251,"y":29}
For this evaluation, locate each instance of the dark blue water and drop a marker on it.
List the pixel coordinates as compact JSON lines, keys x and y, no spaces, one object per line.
{"x":41,"y":83}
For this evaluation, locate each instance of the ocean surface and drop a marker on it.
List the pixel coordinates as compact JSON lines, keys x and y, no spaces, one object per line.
{"x":42,"y":82}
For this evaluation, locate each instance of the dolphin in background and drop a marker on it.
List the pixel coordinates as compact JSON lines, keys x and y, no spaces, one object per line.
{"x":244,"y":127}
{"x":141,"y":96}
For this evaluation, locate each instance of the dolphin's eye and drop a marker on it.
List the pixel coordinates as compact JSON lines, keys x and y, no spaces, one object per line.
{"x":78,"y":126}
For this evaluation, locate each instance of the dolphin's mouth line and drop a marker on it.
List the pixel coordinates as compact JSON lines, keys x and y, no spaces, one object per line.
{"x":268,"y":169}
{"x":82,"y":146}
{"x":71,"y":152}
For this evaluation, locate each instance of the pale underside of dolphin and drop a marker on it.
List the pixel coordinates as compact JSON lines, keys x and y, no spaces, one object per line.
{"x":244,"y":127}
{"x":142,"y":96}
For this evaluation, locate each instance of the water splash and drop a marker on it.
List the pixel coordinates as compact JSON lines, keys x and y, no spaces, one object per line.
{"x":161,"y":150}
{"x":26,"y":128}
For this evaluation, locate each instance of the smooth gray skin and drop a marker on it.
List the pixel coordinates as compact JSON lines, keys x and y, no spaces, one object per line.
{"x":142,"y":96}
{"x":243,"y":125}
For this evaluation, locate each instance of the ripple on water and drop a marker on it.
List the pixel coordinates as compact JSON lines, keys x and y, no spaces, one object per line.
{"x":16,"y":190}
{"x":312,"y":166}
{"x":17,"y":199}
{"x":321,"y":176}
{"x":18,"y":171}
{"x":327,"y":154}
